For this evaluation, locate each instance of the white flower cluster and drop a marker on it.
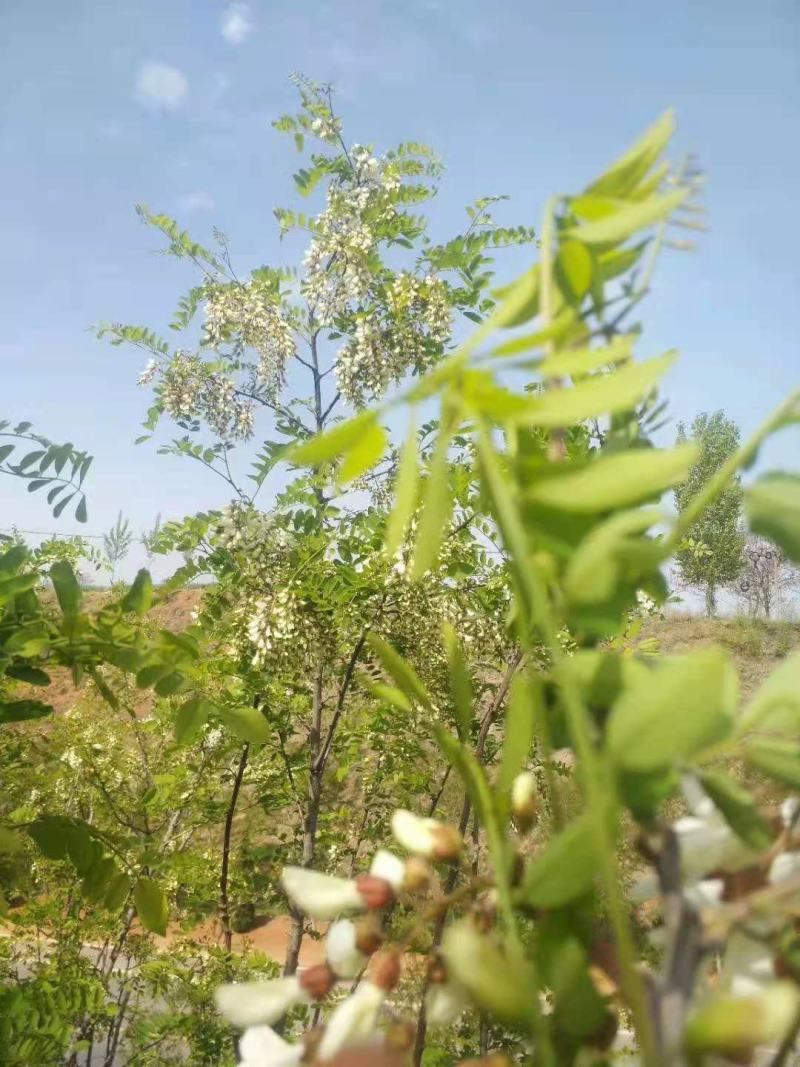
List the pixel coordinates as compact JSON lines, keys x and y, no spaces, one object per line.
{"x":326,"y":127}
{"x":190,"y":390}
{"x":245,"y":314}
{"x":351,"y":947}
{"x":273,"y":622}
{"x":337,"y":260}
{"x":408,"y":333}
{"x":277,"y":628}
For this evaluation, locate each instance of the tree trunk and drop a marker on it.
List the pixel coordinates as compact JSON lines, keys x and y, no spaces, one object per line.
{"x":315,"y":772}
{"x":711,"y":600}
{"x":224,"y":902}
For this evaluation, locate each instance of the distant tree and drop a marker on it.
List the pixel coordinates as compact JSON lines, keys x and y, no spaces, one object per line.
{"x":117,"y":543}
{"x":766,"y":578}
{"x":712,"y":554}
{"x":149,"y":540}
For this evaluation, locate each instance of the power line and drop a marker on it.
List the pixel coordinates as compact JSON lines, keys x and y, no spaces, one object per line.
{"x":58,"y":534}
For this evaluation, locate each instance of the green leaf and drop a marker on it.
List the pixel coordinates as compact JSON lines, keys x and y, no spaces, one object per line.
{"x":574,"y":268}
{"x":117,"y":892}
{"x":98,"y":879}
{"x":461,"y":691}
{"x":190,"y":720}
{"x":405,"y":492}
{"x":13,"y":559}
{"x":685,"y":705}
{"x":627,"y":172}
{"x":17,"y":583}
{"x":81,"y":513}
{"x":739,"y":809}
{"x":628,"y":220}
{"x":151,"y":905}
{"x":564,"y":869}
{"x":616,"y":481}
{"x":776,"y":703}
{"x":25,"y":672}
{"x":401,"y":670}
{"x":395,"y":697}
{"x":605,"y":394}
{"x":519,"y":301}
{"x":68,"y":591}
{"x":325,"y":447}
{"x":27,"y":641}
{"x":777,"y":758}
{"x":247,"y":723}
{"x":169,"y":684}
{"x":580,"y":361}
{"x":593,"y":572}
{"x":50,"y":832}
{"x":772,"y":506}
{"x":523,"y":707}
{"x":437,"y":505}
{"x":22,"y":710}
{"x":140,"y":595}
{"x":365,"y":453}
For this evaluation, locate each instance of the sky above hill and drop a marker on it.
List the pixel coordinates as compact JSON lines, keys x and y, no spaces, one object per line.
{"x":170,"y":102}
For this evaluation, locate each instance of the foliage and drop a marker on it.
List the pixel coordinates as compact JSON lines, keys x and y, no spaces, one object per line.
{"x":558,"y":908}
{"x":117,"y":543}
{"x":712,"y":555}
{"x":430,"y":644}
{"x":61,"y":469}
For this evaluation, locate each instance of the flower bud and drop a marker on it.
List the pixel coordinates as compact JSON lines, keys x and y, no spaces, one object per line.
{"x":426,"y":837}
{"x":369,"y":934}
{"x":384,"y":970}
{"x":400,"y":1036}
{"x":317,"y":981}
{"x":418,"y":873}
{"x":524,"y":800}
{"x":374,"y":892}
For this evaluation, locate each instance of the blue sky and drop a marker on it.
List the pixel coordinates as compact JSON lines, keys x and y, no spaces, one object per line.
{"x":170,"y":102}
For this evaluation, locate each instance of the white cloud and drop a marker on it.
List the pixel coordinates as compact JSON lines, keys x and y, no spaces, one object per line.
{"x":236,"y":25}
{"x":161,"y":87}
{"x":199,"y":200}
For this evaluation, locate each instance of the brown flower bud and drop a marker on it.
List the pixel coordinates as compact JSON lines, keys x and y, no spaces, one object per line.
{"x":437,"y":975}
{"x":446,"y":843}
{"x":317,"y":981}
{"x":375,"y":892}
{"x":400,"y":1036}
{"x":384,"y":969}
{"x":369,"y":934}
{"x":418,"y":873}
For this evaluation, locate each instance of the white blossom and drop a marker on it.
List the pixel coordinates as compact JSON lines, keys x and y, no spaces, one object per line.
{"x":352,"y":1021}
{"x":149,"y":372}
{"x":389,"y":867}
{"x":323,"y":896}
{"x":341,"y":951}
{"x":444,"y":1003}
{"x":260,"y":1046}
{"x":425,"y":837}
{"x":247,"y":1004}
